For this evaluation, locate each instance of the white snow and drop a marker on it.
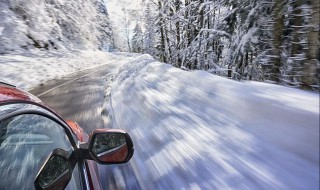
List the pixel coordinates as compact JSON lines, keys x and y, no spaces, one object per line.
{"x":194,"y":130}
{"x":27,"y":70}
{"x":53,"y":24}
{"x":1,"y":29}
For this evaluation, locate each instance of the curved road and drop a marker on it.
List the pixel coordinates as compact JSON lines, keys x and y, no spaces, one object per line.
{"x":83,"y":97}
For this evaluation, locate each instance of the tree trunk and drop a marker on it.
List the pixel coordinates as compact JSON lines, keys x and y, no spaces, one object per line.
{"x":166,"y":33}
{"x":187,"y":15}
{"x":200,"y":35}
{"x":277,"y":39}
{"x":297,"y":22}
{"x":177,"y":6}
{"x":162,"y":43}
{"x":311,"y":66}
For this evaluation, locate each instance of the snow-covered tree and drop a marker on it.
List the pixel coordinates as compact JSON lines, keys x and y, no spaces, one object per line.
{"x":150,"y":34}
{"x":137,"y":40}
{"x":265,"y":40}
{"x":52,"y":24}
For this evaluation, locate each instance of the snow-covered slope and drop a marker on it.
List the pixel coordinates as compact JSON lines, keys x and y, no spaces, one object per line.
{"x":54,"y":24}
{"x":28,"y":70}
{"x":194,"y":130}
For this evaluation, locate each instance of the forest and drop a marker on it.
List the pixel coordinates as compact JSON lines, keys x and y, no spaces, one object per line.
{"x":54,"y":25}
{"x":275,"y":41}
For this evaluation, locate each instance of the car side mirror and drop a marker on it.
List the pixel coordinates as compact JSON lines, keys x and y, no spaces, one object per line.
{"x":56,"y":171}
{"x":108,"y":146}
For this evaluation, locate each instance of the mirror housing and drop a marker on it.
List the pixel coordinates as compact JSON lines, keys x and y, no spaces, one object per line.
{"x":56,"y":171}
{"x":108,"y":146}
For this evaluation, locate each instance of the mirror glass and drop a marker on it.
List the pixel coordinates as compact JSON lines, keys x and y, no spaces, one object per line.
{"x":56,"y":173}
{"x":110,"y":147}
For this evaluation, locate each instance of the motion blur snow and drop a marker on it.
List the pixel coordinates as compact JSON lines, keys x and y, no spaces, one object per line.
{"x":27,"y":70}
{"x":54,"y":25}
{"x":194,"y":130}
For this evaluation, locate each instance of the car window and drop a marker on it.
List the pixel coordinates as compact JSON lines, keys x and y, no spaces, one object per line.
{"x":25,"y":142}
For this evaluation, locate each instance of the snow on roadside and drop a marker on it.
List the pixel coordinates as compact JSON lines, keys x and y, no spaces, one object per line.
{"x":27,"y":70}
{"x":1,"y":29}
{"x":194,"y":130}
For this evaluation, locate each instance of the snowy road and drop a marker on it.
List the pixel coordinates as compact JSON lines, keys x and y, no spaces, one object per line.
{"x":191,"y":130}
{"x":83,"y":97}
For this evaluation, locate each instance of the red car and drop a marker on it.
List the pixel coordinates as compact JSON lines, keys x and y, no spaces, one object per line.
{"x":40,"y":150}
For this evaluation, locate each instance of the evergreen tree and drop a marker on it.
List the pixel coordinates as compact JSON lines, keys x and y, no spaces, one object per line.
{"x":150,"y":33}
{"x":137,"y":40}
{"x":270,"y":40}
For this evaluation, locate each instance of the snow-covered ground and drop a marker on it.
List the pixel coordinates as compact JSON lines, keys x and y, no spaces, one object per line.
{"x":27,"y":70}
{"x":194,"y":130}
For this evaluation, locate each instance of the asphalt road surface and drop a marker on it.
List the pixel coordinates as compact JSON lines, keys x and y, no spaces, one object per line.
{"x":83,"y":98}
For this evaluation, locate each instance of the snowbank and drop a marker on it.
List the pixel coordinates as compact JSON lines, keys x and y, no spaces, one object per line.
{"x":193,"y":130}
{"x":27,"y":70}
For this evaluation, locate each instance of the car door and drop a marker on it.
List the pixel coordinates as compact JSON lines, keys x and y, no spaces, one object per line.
{"x":26,"y":140}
